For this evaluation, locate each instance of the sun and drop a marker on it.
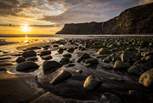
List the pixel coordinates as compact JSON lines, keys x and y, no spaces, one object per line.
{"x":25,"y":28}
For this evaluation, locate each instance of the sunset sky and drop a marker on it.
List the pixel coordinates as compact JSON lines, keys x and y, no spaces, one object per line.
{"x":49,"y":16}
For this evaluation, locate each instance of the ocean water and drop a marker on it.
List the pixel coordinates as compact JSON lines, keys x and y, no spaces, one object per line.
{"x":11,"y":43}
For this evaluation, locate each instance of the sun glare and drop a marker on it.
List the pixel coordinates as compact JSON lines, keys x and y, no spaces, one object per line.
{"x":25,"y":28}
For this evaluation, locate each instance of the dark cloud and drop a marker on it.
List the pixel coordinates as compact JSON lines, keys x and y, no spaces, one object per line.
{"x":9,"y":7}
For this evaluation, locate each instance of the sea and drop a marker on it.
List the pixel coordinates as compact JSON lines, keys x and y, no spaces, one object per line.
{"x":11,"y":43}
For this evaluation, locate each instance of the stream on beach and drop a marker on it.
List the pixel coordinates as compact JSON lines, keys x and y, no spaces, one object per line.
{"x":76,"y":68}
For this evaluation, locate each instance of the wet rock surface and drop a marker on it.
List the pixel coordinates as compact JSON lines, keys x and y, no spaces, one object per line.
{"x":27,"y":66}
{"x":95,"y":70}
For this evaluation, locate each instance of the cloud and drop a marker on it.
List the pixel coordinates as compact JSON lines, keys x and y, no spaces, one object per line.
{"x":63,"y":11}
{"x":9,"y":7}
{"x":91,"y":10}
{"x":146,"y":1}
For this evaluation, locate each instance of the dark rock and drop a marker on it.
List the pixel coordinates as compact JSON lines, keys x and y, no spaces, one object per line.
{"x":32,"y":59}
{"x":45,"y":52}
{"x":46,"y":57}
{"x":27,"y":66}
{"x":119,"y":65}
{"x":60,"y":50}
{"x":60,"y":77}
{"x":29,"y":53}
{"x":64,"y":61}
{"x":110,"y":98}
{"x":103,"y":51}
{"x":141,"y":66}
{"x":128,"y":56}
{"x":20,"y":59}
{"x":71,"y":50}
{"x":50,"y":66}
{"x":55,"y":45}
{"x":70,"y":65}
{"x":91,"y":62}
{"x":109,"y":58}
{"x":68,"y":55}
{"x":83,"y":57}
{"x":46,"y":47}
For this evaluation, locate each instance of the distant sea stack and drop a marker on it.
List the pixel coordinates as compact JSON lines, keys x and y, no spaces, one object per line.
{"x":136,"y":20}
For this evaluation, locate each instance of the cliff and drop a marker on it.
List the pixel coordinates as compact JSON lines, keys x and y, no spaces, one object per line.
{"x":136,"y":20}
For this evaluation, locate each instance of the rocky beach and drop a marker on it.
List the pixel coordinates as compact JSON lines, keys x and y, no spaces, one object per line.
{"x":79,"y":70}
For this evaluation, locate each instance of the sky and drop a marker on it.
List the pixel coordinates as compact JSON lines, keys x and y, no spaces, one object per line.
{"x":49,"y":16}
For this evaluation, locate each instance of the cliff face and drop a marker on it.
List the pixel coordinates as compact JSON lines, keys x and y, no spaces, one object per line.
{"x":82,"y":28}
{"x":137,"y":20}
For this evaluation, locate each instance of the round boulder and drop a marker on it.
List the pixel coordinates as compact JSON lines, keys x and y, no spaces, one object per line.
{"x":29,"y":53}
{"x":91,"y":62}
{"x":20,"y":59}
{"x":32,"y":59}
{"x":45,"y":52}
{"x":60,"y":76}
{"x":46,"y":57}
{"x":50,"y":66}
{"x":60,"y":50}
{"x":146,"y":78}
{"x":102,"y":51}
{"x":64,"y":61}
{"x":119,"y":65}
{"x":91,"y":83}
{"x":68,"y":55}
{"x":27,"y":66}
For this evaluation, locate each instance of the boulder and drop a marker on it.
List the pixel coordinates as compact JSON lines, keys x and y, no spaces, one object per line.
{"x":91,"y":83}
{"x":91,"y":62}
{"x":60,"y":50}
{"x":103,"y":51}
{"x":29,"y":53}
{"x":32,"y":59}
{"x":68,"y":55}
{"x":27,"y":66}
{"x":45,"y":52}
{"x":50,"y":66}
{"x":64,"y":61}
{"x":71,"y":50}
{"x":129,"y":56}
{"x":46,"y":57}
{"x":141,"y":66}
{"x":20,"y":59}
{"x":60,"y":76}
{"x":83,"y":57}
{"x":119,"y":65}
{"x":146,"y":78}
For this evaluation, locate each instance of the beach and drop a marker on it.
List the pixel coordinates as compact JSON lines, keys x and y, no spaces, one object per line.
{"x":79,"y":69}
